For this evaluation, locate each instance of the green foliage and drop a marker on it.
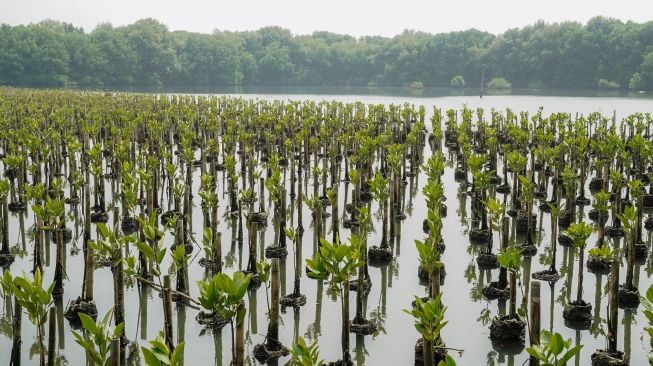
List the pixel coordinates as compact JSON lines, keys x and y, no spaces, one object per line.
{"x":335,"y":262}
{"x":5,"y":188}
{"x":207,"y":243}
{"x":635,"y":82}
{"x":495,"y":209}
{"x":629,"y":218}
{"x":97,"y":339}
{"x":263,"y":270}
{"x":602,"y":201}
{"x":434,"y":166}
{"x":429,"y":317}
{"x":416,"y":85}
{"x":606,"y":84}
{"x":305,"y":355}
{"x":158,"y":354}
{"x":434,"y":194}
{"x":604,"y":252}
{"x":578,"y":233}
{"x":379,"y":187}
{"x":553,"y":350}
{"x":648,"y":312}
{"x":510,"y":258}
{"x":221,"y":294}
{"x":516,"y":161}
{"x":499,"y":84}
{"x":30,"y":294}
{"x":567,"y":55}
{"x":457,"y":81}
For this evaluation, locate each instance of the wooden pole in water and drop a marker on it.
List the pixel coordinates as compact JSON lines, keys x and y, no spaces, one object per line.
{"x":115,"y":352}
{"x":17,"y":334}
{"x":612,"y":307}
{"x":167,"y":313}
{"x":505,"y":239}
{"x":239,"y":357}
{"x":52,"y":335}
{"x":535,"y":319}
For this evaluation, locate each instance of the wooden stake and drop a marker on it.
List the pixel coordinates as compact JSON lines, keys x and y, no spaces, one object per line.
{"x":535,"y":318}
{"x":167,"y":313}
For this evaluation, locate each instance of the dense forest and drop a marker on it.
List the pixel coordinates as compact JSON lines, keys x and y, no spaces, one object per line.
{"x":602,"y":53}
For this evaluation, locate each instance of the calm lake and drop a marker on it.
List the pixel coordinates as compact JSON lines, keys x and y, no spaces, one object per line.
{"x":393,"y":286}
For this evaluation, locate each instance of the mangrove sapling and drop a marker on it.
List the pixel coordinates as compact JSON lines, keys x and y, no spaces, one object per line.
{"x":599,"y":257}
{"x":488,"y":260}
{"x":429,"y":254}
{"x":222,"y":296}
{"x":616,"y":182}
{"x":579,"y":313}
{"x":6,"y":258}
{"x":305,"y":355}
{"x":159,"y":354}
{"x":296,"y":298}
{"x":272,"y":348}
{"x":553,"y":350}
{"x":527,"y":187}
{"x":363,"y":281}
{"x":252,"y":269}
{"x":628,"y":292}
{"x":314,"y":204}
{"x":337,"y":262}
{"x":97,"y":338}
{"x":180,"y":268}
{"x":84,"y":304}
{"x":212,"y":247}
{"x":332,"y":196}
{"x":55,"y":212}
{"x":379,"y":189}
{"x":611,"y":356}
{"x":636,"y":188}
{"x":509,"y":330}
{"x":360,"y":324}
{"x":516,"y":164}
{"x":277,"y":191}
{"x":648,"y":312}
{"x":99,"y":214}
{"x":33,"y":299}
{"x":111,"y":244}
{"x":429,"y":321}
{"x":35,"y":194}
{"x":129,"y":199}
{"x":16,"y":322}
{"x":14,"y":163}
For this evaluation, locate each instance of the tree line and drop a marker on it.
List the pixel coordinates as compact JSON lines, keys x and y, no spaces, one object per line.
{"x":605,"y":53}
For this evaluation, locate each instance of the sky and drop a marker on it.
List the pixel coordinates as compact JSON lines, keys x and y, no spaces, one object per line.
{"x":354,"y":17}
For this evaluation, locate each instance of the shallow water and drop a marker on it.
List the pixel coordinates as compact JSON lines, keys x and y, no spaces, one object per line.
{"x":393,"y":286}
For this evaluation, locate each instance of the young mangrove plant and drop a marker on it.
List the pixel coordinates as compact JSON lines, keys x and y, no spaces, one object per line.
{"x":553,"y":350}
{"x":222,"y":296}
{"x":337,"y":262}
{"x":305,"y":355}
{"x":97,"y":339}
{"x":429,"y":321}
{"x":509,"y":330}
{"x":34,"y":300}
{"x":578,"y":312}
{"x":628,"y":292}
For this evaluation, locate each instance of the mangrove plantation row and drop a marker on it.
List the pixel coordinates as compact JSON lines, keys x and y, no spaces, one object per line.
{"x":605,"y":53}
{"x":165,"y":229}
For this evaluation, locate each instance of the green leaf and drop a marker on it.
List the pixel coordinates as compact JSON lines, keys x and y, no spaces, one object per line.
{"x":178,"y":354}
{"x":556,"y":344}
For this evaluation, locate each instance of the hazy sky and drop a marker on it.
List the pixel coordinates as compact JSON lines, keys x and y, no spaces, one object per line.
{"x":355,"y":17}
